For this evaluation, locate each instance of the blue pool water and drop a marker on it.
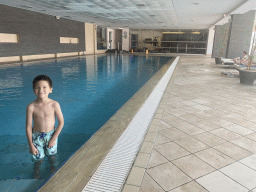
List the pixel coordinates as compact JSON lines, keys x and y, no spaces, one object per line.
{"x":89,"y":89}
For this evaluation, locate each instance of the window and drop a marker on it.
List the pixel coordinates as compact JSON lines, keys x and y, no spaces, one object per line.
{"x":70,"y":40}
{"x":8,"y":38}
{"x":101,"y":38}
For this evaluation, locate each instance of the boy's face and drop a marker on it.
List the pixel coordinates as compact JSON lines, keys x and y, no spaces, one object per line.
{"x":42,"y":89}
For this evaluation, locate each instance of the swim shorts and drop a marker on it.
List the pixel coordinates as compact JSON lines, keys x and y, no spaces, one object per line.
{"x":40,"y":141}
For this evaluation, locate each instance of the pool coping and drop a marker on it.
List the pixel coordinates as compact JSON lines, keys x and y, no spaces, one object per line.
{"x":78,"y":170}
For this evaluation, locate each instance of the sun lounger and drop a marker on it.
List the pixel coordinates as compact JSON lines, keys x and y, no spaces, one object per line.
{"x":227,"y":61}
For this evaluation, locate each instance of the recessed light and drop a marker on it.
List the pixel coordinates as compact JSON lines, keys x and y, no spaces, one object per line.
{"x":196,"y":3}
{"x":152,"y":15}
{"x":140,"y":5}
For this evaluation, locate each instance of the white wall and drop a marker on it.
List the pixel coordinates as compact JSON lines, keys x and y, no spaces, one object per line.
{"x":113,"y":38}
{"x":210,"y":40}
{"x":89,"y":38}
{"x":125,"y":41}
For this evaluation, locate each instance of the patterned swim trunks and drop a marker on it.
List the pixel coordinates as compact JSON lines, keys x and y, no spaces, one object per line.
{"x":40,"y":141}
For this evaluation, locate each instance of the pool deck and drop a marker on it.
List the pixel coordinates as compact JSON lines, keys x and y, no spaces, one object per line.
{"x":203,"y":135}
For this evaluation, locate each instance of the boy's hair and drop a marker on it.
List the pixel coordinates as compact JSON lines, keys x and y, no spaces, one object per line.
{"x":40,"y":78}
{"x":245,"y":52}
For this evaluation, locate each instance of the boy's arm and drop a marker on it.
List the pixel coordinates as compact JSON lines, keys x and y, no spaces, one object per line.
{"x":60,"y":119}
{"x":29,"y":116}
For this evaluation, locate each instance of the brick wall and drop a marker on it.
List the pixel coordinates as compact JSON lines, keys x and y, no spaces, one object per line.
{"x":38,"y":33}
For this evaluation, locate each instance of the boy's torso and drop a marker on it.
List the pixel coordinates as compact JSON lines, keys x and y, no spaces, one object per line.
{"x":43,"y":117}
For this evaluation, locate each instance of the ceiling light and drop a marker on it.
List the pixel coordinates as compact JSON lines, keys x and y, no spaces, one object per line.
{"x":152,"y":15}
{"x":174,"y":32}
{"x":195,"y":3}
{"x":140,"y":5}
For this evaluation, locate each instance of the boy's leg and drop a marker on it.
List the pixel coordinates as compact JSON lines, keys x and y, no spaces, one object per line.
{"x":53,"y":150}
{"x":38,"y":142}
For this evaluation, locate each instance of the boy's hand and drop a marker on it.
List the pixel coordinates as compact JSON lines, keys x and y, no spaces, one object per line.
{"x":51,"y":143}
{"x":33,"y":150}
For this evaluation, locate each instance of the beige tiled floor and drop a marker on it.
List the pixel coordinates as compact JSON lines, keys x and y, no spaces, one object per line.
{"x":203,"y":136}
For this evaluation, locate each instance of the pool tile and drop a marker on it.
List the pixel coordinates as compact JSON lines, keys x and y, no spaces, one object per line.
{"x":190,"y":187}
{"x":209,"y":139}
{"x":218,"y":182}
{"x":193,"y":166}
{"x":191,"y":144}
{"x":149,"y":185}
{"x":214,"y":158}
{"x":245,"y":143}
{"x":168,"y":176}
{"x":249,"y":161}
{"x":171,"y":151}
{"x":241,"y":174}
{"x":233,"y":151}
{"x":156,"y":159}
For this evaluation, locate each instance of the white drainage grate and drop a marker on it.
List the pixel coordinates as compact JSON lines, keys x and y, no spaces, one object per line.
{"x":111,"y":174}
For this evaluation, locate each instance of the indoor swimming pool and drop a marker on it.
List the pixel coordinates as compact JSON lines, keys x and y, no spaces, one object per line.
{"x":89,"y":90}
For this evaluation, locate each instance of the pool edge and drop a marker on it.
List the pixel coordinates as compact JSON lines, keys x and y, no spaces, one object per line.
{"x":77,"y":171}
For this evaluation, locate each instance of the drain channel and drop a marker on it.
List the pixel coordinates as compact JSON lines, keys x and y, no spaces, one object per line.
{"x":111,"y":174}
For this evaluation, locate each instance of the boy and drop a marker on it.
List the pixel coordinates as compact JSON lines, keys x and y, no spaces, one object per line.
{"x":43,"y":137}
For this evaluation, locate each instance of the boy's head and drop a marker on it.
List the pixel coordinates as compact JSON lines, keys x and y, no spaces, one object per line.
{"x":245,"y":52}
{"x":42,"y":78}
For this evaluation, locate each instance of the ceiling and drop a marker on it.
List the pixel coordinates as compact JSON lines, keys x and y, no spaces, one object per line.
{"x":139,"y":14}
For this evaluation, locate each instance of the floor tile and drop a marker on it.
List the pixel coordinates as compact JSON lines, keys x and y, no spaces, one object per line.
{"x":191,"y":144}
{"x":219,"y":121}
{"x":160,"y":139}
{"x":239,"y":129}
{"x":156,"y":159}
{"x":168,"y":176}
{"x":142,"y":160}
{"x":130,"y":188}
{"x":174,"y":121}
{"x":193,"y":166}
{"x":190,"y":118}
{"x":200,"y":101}
{"x":164,"y":125}
{"x":225,"y":134}
{"x":252,"y":136}
{"x":233,"y":151}
{"x":189,"y":103}
{"x":218,"y":182}
{"x":201,"y":107}
{"x":209,"y":139}
{"x":245,"y":143}
{"x":206,"y":125}
{"x":241,"y":174}
{"x":171,"y":150}
{"x":203,"y":114}
{"x":135,"y":176}
{"x":146,"y":147}
{"x":249,"y":161}
{"x":148,"y":184}
{"x":173,"y":133}
{"x":176,"y":111}
{"x":214,"y":158}
{"x":190,"y":187}
{"x":190,"y":129}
